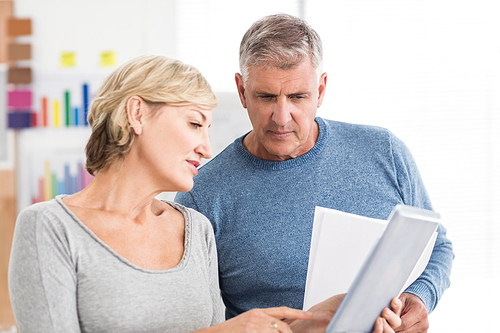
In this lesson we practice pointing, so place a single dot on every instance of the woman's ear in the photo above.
(135, 109)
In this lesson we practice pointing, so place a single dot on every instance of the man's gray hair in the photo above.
(281, 41)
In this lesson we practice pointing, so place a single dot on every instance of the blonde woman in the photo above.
(112, 258)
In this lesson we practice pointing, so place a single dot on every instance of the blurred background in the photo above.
(428, 70)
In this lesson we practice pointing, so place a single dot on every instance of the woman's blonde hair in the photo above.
(158, 80)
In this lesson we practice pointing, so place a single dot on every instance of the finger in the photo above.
(382, 326)
(379, 325)
(392, 319)
(387, 327)
(282, 327)
(397, 306)
(289, 313)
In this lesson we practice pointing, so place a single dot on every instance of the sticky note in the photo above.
(19, 27)
(19, 119)
(19, 75)
(19, 98)
(68, 59)
(19, 52)
(108, 59)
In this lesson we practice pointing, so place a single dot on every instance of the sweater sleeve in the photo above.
(435, 279)
(42, 281)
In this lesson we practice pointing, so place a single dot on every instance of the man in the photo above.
(260, 192)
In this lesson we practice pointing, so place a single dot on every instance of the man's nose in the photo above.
(281, 113)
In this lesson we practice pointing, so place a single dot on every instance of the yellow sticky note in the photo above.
(68, 59)
(108, 59)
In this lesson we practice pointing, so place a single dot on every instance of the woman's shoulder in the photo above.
(192, 213)
(194, 219)
(47, 214)
(38, 210)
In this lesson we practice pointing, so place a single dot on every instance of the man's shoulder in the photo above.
(352, 132)
(348, 127)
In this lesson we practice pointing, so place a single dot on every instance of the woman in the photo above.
(112, 258)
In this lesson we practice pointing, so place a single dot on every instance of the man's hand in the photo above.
(324, 311)
(413, 316)
(389, 318)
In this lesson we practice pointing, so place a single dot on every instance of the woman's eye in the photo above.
(196, 125)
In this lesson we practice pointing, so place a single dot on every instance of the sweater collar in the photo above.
(291, 163)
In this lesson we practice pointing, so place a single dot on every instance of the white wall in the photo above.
(127, 27)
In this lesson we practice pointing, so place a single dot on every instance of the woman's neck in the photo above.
(120, 188)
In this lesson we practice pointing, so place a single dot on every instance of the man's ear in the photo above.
(322, 88)
(240, 85)
(135, 109)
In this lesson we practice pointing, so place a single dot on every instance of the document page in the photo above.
(340, 242)
(339, 245)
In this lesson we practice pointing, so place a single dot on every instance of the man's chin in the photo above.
(279, 153)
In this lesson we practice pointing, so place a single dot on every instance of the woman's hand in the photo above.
(262, 320)
(323, 313)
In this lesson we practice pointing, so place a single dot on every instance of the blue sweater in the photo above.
(262, 211)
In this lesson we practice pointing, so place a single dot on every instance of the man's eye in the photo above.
(266, 98)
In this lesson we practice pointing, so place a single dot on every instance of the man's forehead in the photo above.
(278, 66)
(270, 78)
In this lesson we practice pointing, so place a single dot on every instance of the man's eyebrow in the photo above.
(299, 93)
(263, 93)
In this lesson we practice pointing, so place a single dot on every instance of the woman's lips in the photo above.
(194, 166)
